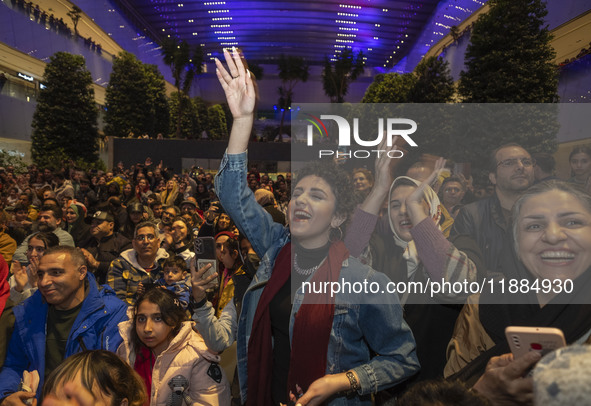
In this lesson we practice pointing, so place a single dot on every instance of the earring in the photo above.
(340, 237)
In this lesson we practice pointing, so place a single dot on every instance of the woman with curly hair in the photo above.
(339, 349)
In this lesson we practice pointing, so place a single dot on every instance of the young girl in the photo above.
(171, 358)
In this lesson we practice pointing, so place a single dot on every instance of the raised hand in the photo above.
(415, 201)
(383, 178)
(199, 284)
(21, 278)
(238, 85)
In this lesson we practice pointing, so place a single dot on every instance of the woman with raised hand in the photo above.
(337, 351)
(416, 251)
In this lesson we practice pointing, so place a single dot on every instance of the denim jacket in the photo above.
(358, 331)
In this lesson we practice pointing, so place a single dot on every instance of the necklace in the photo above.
(304, 272)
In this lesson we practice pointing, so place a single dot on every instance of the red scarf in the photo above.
(4, 287)
(309, 351)
(143, 365)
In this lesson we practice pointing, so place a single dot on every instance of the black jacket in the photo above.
(105, 251)
(484, 222)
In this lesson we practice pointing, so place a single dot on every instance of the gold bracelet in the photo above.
(353, 382)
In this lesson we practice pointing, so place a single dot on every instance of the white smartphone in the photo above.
(540, 339)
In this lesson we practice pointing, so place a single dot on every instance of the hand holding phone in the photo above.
(538, 339)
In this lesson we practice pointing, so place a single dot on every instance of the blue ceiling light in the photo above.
(266, 29)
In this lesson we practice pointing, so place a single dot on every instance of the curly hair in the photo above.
(339, 181)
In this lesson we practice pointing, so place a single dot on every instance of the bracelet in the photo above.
(193, 306)
(353, 382)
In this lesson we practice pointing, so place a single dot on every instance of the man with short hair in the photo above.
(49, 220)
(104, 244)
(157, 210)
(453, 191)
(86, 192)
(68, 314)
(63, 187)
(142, 263)
(545, 167)
(488, 221)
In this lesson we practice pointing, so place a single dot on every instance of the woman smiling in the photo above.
(552, 232)
(319, 349)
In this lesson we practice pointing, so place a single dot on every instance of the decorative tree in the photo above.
(184, 64)
(159, 110)
(389, 88)
(433, 84)
(128, 98)
(336, 79)
(217, 122)
(509, 60)
(292, 70)
(187, 116)
(202, 117)
(64, 122)
(75, 14)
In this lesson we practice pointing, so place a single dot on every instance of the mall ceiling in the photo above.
(384, 30)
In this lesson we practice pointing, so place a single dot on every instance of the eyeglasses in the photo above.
(507, 163)
(145, 237)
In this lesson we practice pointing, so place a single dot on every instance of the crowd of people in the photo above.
(49, 21)
(197, 280)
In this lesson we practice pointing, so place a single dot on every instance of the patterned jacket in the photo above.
(125, 274)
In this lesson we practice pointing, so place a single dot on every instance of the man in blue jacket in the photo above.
(68, 314)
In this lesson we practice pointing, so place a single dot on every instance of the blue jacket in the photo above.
(94, 328)
(362, 326)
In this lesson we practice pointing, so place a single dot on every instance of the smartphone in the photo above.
(540, 339)
(204, 248)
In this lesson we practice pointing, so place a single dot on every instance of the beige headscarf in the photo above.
(410, 250)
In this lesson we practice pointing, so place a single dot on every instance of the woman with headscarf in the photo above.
(416, 251)
(75, 225)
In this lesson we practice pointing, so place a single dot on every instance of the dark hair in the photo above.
(56, 211)
(233, 244)
(146, 223)
(104, 369)
(441, 393)
(170, 308)
(176, 261)
(338, 180)
(453, 179)
(492, 158)
(545, 161)
(52, 199)
(76, 255)
(578, 150)
(49, 239)
(576, 191)
(177, 211)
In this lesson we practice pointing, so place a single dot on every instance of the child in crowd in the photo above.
(176, 279)
(169, 355)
